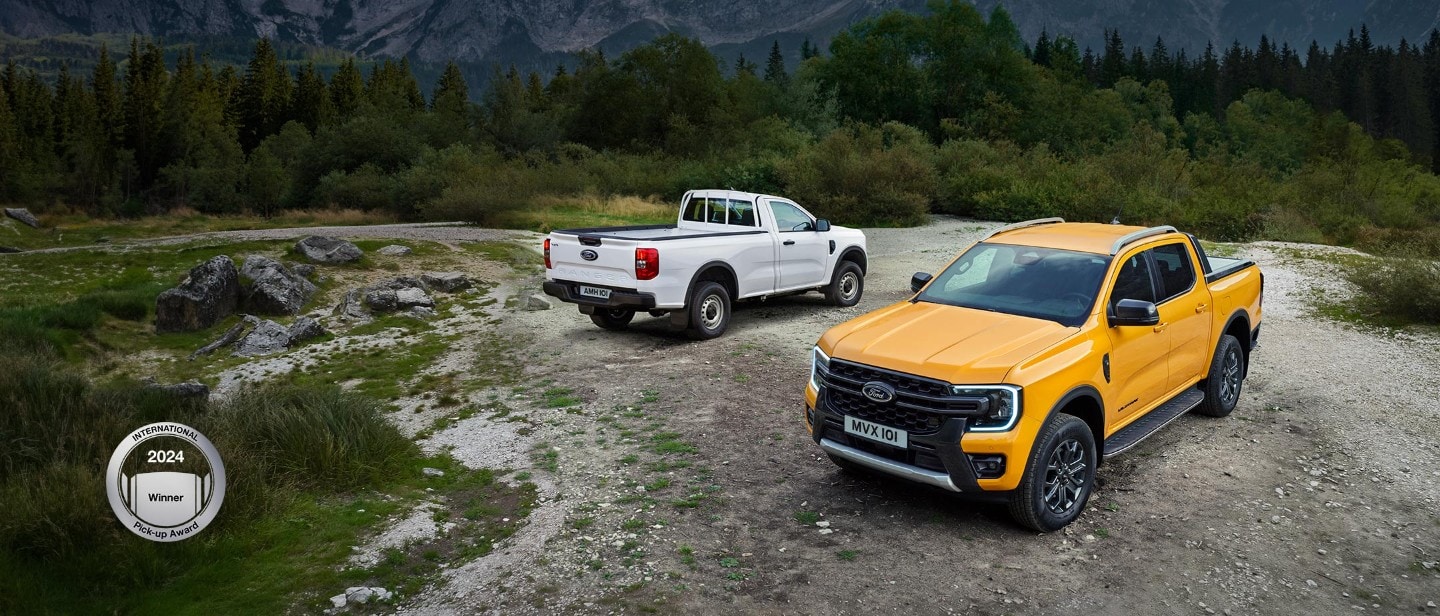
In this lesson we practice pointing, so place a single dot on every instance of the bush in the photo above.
(1402, 288)
(864, 175)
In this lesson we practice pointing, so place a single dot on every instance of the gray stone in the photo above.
(351, 307)
(364, 594)
(380, 300)
(321, 249)
(226, 339)
(395, 250)
(532, 302)
(208, 294)
(448, 282)
(400, 282)
(420, 312)
(305, 328)
(303, 270)
(274, 289)
(338, 600)
(267, 338)
(23, 215)
(189, 390)
(411, 297)
(432, 472)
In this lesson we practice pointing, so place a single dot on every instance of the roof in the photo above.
(1077, 236)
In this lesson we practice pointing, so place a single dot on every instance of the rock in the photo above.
(322, 249)
(420, 312)
(7, 249)
(409, 298)
(267, 338)
(303, 270)
(188, 390)
(226, 339)
(338, 600)
(351, 306)
(826, 531)
(530, 303)
(395, 250)
(432, 472)
(208, 294)
(400, 282)
(381, 300)
(448, 282)
(23, 215)
(305, 328)
(823, 523)
(274, 289)
(363, 594)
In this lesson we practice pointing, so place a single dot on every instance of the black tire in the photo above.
(1227, 374)
(847, 286)
(612, 318)
(709, 310)
(1059, 476)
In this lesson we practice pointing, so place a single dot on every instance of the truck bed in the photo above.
(651, 233)
(1221, 267)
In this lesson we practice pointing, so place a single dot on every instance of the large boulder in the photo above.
(267, 338)
(395, 294)
(381, 300)
(274, 289)
(23, 215)
(448, 282)
(209, 293)
(321, 249)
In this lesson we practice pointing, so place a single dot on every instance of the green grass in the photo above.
(68, 231)
(807, 517)
(847, 555)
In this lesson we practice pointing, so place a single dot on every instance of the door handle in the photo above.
(1201, 308)
(789, 242)
(1161, 327)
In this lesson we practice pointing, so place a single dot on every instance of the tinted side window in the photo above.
(1176, 274)
(742, 213)
(790, 218)
(696, 210)
(1133, 282)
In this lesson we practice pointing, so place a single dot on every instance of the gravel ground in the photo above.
(443, 232)
(1315, 496)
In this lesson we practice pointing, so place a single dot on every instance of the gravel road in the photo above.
(683, 480)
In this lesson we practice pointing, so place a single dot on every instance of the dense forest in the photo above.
(904, 114)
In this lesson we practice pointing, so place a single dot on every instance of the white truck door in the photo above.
(754, 253)
(802, 251)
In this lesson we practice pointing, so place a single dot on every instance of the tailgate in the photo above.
(608, 262)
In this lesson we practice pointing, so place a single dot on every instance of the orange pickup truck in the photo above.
(1035, 354)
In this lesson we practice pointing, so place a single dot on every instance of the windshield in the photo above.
(1044, 283)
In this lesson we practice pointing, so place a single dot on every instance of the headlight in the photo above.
(1003, 410)
(819, 364)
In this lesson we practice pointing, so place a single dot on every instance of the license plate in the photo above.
(876, 432)
(595, 292)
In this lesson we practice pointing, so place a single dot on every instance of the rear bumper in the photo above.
(619, 298)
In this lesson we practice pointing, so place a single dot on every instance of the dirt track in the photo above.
(1316, 496)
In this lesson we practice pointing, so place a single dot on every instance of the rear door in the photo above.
(803, 252)
(754, 260)
(1139, 367)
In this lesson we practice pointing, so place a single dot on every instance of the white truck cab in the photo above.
(725, 246)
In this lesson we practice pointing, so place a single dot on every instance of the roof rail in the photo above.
(1138, 235)
(1022, 225)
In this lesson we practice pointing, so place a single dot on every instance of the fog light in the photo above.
(988, 466)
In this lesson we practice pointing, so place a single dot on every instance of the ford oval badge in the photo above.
(589, 255)
(877, 391)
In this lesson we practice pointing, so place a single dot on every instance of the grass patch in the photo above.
(807, 517)
(846, 555)
(1397, 290)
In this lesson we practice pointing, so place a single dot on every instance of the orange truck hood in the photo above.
(950, 343)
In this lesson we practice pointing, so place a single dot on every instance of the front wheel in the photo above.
(847, 287)
(612, 318)
(1059, 476)
(709, 311)
(1222, 385)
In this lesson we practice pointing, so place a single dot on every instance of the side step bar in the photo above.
(1153, 421)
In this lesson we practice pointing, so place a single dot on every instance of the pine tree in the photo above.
(775, 66)
(1041, 54)
(808, 50)
(1207, 85)
(1137, 67)
(744, 67)
(452, 95)
(347, 90)
(144, 89)
(310, 104)
(264, 96)
(107, 97)
(1112, 63)
(1432, 92)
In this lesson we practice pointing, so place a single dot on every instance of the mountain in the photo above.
(523, 31)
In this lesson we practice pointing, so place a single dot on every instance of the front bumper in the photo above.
(619, 298)
(934, 459)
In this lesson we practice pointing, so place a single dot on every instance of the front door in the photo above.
(802, 251)
(1138, 353)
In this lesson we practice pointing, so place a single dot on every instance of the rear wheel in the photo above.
(709, 310)
(612, 318)
(847, 287)
(1059, 476)
(1227, 373)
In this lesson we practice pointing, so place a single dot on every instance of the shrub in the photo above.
(1402, 288)
(864, 175)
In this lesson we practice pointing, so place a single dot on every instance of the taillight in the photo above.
(547, 253)
(647, 263)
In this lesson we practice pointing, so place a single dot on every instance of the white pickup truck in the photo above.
(726, 246)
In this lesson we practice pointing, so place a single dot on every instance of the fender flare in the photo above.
(1097, 431)
(695, 278)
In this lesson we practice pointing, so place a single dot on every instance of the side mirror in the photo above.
(1134, 312)
(822, 225)
(918, 281)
